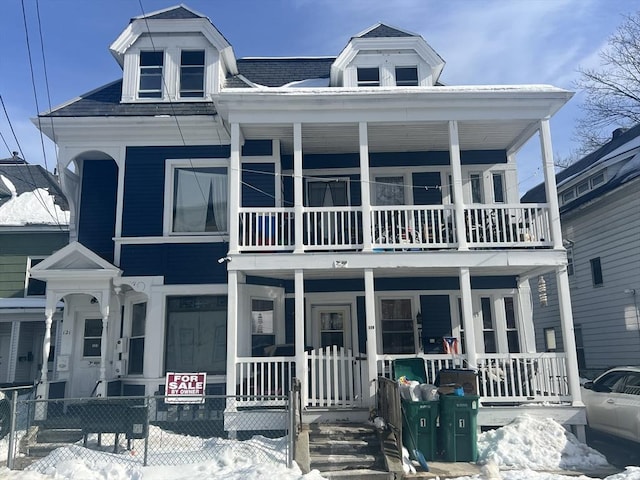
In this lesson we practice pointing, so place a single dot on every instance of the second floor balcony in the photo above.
(394, 228)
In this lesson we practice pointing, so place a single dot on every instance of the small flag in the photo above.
(450, 345)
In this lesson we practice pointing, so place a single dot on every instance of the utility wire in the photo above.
(15, 137)
(6, 144)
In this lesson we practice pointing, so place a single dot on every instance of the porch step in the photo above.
(62, 435)
(360, 474)
(346, 450)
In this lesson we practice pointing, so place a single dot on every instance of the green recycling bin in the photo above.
(459, 428)
(419, 418)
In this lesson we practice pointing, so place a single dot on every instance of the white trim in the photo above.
(205, 238)
(170, 167)
(27, 278)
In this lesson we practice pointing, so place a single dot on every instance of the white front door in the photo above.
(331, 325)
(86, 365)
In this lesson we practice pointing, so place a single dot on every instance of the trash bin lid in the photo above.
(411, 368)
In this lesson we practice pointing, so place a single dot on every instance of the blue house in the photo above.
(307, 217)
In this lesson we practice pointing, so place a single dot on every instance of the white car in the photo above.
(613, 402)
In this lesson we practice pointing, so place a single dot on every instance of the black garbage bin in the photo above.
(419, 418)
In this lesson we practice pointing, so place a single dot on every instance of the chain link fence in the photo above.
(146, 431)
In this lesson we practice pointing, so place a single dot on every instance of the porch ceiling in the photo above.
(395, 137)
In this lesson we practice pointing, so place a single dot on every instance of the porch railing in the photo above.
(396, 228)
(258, 377)
(433, 364)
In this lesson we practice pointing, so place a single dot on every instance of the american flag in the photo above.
(450, 345)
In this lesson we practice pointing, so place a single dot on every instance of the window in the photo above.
(200, 197)
(151, 64)
(569, 260)
(92, 341)
(597, 180)
(582, 187)
(262, 332)
(596, 271)
(192, 73)
(196, 338)
(389, 190)
(568, 196)
(550, 339)
(512, 329)
(369, 77)
(34, 286)
(328, 193)
(136, 341)
(475, 179)
(407, 76)
(488, 329)
(397, 326)
(498, 187)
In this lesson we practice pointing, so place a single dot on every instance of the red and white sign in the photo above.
(185, 387)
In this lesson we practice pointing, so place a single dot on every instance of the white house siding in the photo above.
(608, 228)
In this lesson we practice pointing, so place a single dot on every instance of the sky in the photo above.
(526, 449)
(482, 41)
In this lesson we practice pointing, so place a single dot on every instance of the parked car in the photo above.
(613, 402)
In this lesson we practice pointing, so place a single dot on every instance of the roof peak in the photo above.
(180, 11)
(381, 30)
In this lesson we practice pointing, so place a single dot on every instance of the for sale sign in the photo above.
(185, 387)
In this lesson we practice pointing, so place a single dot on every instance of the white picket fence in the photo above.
(332, 379)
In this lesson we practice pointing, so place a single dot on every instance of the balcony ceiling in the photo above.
(395, 137)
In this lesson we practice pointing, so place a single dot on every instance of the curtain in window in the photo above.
(200, 200)
(327, 194)
(389, 190)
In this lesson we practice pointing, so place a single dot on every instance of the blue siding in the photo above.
(436, 321)
(179, 263)
(361, 315)
(98, 206)
(399, 159)
(144, 184)
(257, 148)
(258, 185)
(427, 188)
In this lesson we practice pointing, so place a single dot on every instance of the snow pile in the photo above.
(531, 443)
(31, 208)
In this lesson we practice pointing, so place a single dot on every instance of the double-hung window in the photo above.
(136, 341)
(397, 326)
(192, 73)
(151, 66)
(407, 76)
(477, 194)
(199, 197)
(368, 77)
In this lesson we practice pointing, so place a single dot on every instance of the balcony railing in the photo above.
(395, 228)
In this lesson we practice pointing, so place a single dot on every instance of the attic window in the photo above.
(151, 64)
(407, 76)
(369, 77)
(192, 73)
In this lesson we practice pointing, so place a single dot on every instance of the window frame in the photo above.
(171, 167)
(407, 67)
(412, 319)
(570, 264)
(161, 90)
(264, 335)
(368, 83)
(327, 180)
(28, 281)
(597, 278)
(502, 189)
(133, 303)
(181, 66)
(473, 176)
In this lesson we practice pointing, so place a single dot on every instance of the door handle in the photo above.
(610, 401)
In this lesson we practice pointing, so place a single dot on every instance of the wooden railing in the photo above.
(258, 377)
(433, 364)
(395, 228)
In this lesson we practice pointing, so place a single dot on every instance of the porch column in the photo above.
(232, 335)
(372, 340)
(365, 188)
(234, 188)
(298, 198)
(568, 335)
(41, 391)
(467, 318)
(550, 183)
(301, 368)
(101, 390)
(525, 316)
(456, 175)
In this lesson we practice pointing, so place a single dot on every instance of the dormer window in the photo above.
(192, 73)
(151, 66)
(407, 76)
(368, 77)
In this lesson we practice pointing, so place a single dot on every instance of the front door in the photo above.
(86, 367)
(334, 364)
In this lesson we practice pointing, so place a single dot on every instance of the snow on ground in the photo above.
(526, 449)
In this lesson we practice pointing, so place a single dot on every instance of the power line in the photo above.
(6, 144)
(15, 137)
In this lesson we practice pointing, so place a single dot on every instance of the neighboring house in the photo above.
(34, 223)
(599, 199)
(350, 207)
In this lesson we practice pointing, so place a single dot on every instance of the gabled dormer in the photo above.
(175, 54)
(384, 56)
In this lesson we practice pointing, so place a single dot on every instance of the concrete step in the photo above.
(351, 446)
(63, 435)
(360, 474)
(43, 449)
(331, 463)
(321, 429)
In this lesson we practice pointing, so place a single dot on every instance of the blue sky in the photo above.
(482, 42)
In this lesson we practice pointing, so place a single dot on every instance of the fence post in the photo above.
(292, 423)
(12, 430)
(146, 431)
